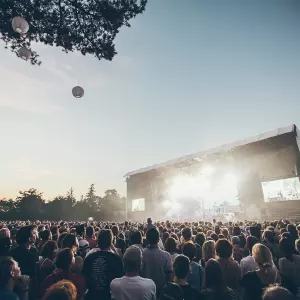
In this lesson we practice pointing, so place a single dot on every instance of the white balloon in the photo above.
(20, 25)
(24, 53)
(78, 91)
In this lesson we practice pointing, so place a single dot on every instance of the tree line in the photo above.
(31, 205)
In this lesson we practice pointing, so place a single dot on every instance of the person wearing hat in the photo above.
(132, 286)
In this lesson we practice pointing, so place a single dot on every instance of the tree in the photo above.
(70, 196)
(112, 203)
(91, 198)
(86, 26)
(30, 204)
(7, 205)
(82, 210)
(54, 209)
(112, 192)
(90, 195)
(59, 208)
(8, 209)
(99, 203)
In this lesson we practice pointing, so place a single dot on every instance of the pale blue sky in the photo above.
(190, 75)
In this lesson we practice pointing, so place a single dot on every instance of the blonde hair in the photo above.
(262, 256)
(208, 250)
(297, 244)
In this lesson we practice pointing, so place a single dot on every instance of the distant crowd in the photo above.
(73, 260)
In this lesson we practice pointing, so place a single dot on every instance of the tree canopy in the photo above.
(31, 205)
(89, 27)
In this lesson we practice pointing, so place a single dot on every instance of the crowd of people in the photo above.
(71, 260)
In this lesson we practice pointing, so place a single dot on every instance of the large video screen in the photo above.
(138, 204)
(281, 190)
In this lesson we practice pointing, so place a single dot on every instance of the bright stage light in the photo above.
(203, 185)
(176, 207)
(230, 179)
(207, 170)
(167, 204)
(184, 186)
(172, 208)
(205, 189)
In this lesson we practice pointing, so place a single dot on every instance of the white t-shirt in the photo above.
(133, 288)
(248, 264)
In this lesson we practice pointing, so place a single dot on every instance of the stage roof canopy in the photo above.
(227, 147)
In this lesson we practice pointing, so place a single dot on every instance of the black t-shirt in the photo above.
(26, 259)
(225, 295)
(190, 293)
(252, 285)
(99, 269)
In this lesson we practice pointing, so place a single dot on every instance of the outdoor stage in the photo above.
(250, 179)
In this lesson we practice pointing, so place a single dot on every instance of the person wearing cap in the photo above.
(84, 246)
(132, 286)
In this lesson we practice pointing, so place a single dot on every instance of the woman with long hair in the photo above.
(208, 252)
(70, 241)
(230, 268)
(253, 283)
(214, 286)
(171, 248)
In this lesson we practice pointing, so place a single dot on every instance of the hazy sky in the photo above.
(190, 75)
